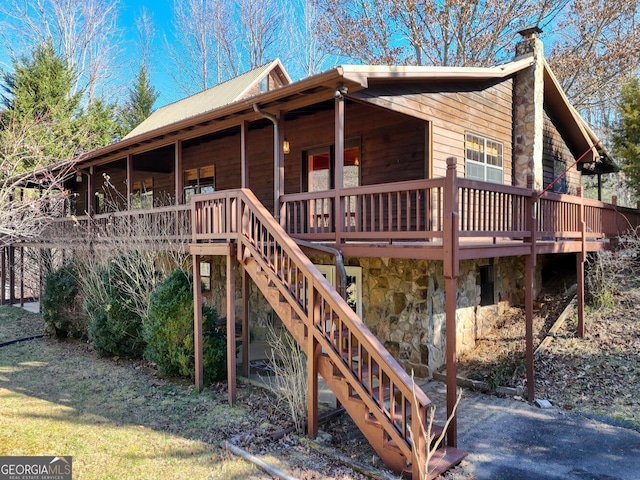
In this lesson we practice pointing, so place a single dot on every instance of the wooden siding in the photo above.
(222, 153)
(392, 144)
(556, 157)
(454, 109)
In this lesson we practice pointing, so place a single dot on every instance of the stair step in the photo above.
(442, 460)
(436, 431)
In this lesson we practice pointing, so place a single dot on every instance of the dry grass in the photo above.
(118, 419)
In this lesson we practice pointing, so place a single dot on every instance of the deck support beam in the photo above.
(529, 278)
(197, 322)
(231, 323)
(12, 275)
(22, 276)
(312, 367)
(529, 283)
(245, 323)
(580, 259)
(451, 267)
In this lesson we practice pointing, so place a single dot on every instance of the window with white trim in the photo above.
(484, 160)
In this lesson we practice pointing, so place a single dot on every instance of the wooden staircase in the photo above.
(373, 388)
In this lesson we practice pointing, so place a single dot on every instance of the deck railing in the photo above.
(415, 211)
(392, 212)
(160, 225)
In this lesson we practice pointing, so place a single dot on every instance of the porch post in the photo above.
(178, 177)
(244, 168)
(338, 180)
(197, 322)
(279, 207)
(312, 366)
(231, 323)
(129, 180)
(90, 192)
(451, 267)
(245, 323)
(529, 280)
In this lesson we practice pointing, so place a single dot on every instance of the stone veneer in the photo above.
(403, 304)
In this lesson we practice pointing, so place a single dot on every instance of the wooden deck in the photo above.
(416, 219)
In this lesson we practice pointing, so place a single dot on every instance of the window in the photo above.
(483, 159)
(198, 180)
(354, 284)
(487, 285)
(142, 194)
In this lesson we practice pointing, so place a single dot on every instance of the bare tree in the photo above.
(198, 49)
(259, 26)
(598, 49)
(146, 33)
(420, 32)
(304, 51)
(28, 198)
(84, 32)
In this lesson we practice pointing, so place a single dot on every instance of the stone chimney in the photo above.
(528, 111)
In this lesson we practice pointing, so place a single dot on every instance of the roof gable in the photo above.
(243, 86)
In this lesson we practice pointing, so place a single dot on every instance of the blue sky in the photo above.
(129, 62)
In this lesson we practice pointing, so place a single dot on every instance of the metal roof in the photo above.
(208, 100)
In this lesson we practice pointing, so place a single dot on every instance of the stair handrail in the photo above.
(386, 362)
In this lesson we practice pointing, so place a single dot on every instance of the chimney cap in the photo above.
(530, 32)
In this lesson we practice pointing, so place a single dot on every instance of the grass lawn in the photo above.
(115, 418)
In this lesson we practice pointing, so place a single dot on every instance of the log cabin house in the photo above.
(384, 214)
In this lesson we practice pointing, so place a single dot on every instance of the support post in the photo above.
(580, 259)
(129, 180)
(244, 167)
(451, 267)
(3, 273)
(338, 180)
(21, 276)
(178, 176)
(529, 280)
(12, 275)
(91, 197)
(528, 300)
(312, 366)
(197, 322)
(231, 323)
(245, 323)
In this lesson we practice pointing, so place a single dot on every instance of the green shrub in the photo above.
(169, 331)
(62, 304)
(114, 326)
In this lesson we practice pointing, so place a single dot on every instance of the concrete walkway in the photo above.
(512, 440)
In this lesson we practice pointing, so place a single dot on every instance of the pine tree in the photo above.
(40, 86)
(142, 97)
(626, 139)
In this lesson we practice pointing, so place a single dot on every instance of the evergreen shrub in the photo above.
(62, 303)
(169, 331)
(114, 326)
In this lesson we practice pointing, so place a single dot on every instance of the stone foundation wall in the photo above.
(404, 306)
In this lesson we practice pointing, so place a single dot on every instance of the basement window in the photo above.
(487, 285)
